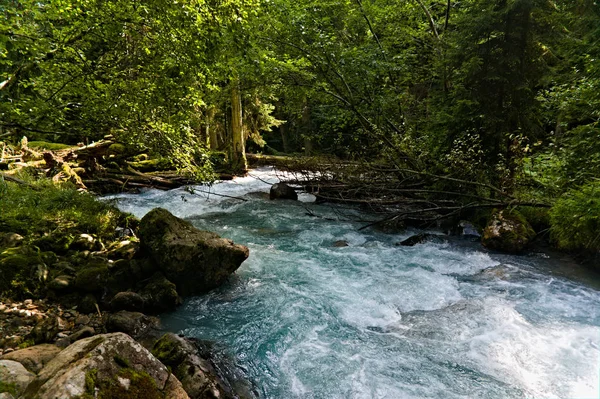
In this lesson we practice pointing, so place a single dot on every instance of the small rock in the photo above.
(282, 191)
(61, 335)
(82, 320)
(27, 302)
(82, 333)
(8, 350)
(87, 304)
(340, 244)
(418, 239)
(61, 283)
(134, 324)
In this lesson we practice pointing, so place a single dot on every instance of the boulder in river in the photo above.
(507, 231)
(196, 261)
(282, 191)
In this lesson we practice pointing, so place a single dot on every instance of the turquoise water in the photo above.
(304, 319)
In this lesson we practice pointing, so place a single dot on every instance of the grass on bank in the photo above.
(44, 207)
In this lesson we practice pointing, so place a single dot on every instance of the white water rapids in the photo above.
(305, 319)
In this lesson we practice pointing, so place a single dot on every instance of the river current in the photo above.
(445, 319)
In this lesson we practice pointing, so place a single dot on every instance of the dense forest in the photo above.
(493, 100)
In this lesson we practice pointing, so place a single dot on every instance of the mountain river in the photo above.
(446, 319)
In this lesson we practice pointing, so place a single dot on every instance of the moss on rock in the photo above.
(507, 231)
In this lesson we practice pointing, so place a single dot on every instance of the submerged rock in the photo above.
(507, 231)
(195, 260)
(106, 366)
(282, 191)
(340, 244)
(419, 239)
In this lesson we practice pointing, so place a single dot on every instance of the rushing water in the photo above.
(305, 319)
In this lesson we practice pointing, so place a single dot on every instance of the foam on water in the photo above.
(305, 319)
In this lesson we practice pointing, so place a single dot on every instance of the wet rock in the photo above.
(35, 357)
(14, 376)
(160, 295)
(134, 324)
(107, 366)
(197, 375)
(420, 239)
(282, 191)
(127, 301)
(195, 260)
(340, 244)
(507, 231)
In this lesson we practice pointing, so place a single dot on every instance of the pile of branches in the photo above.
(401, 196)
(91, 167)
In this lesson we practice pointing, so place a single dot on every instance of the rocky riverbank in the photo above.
(80, 322)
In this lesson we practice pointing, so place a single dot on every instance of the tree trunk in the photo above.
(237, 149)
(211, 132)
(306, 124)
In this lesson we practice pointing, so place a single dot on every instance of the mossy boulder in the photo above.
(92, 278)
(160, 295)
(507, 231)
(23, 272)
(105, 366)
(195, 260)
(58, 242)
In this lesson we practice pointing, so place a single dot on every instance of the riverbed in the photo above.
(303, 318)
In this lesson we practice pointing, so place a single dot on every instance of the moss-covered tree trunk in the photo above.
(237, 151)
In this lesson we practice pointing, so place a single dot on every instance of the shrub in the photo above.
(575, 218)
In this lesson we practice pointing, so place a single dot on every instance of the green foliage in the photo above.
(46, 207)
(575, 218)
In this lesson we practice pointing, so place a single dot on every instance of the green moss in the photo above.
(92, 278)
(166, 351)
(10, 388)
(121, 361)
(22, 272)
(26, 344)
(44, 145)
(150, 165)
(141, 386)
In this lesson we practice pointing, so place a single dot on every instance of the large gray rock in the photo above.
(195, 261)
(14, 376)
(282, 191)
(35, 357)
(507, 231)
(109, 365)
